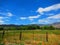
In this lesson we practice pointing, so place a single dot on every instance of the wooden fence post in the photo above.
(47, 36)
(20, 35)
(33, 35)
(3, 33)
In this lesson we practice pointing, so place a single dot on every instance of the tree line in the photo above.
(26, 27)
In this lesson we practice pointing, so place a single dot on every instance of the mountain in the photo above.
(57, 24)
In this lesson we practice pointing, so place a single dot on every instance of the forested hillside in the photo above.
(28, 27)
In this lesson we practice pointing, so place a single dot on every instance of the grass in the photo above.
(33, 37)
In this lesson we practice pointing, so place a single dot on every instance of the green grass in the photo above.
(35, 31)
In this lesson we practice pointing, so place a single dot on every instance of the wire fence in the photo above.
(28, 38)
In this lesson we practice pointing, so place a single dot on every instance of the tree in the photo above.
(51, 27)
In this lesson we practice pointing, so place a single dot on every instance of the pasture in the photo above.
(30, 37)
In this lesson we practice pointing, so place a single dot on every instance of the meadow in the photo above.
(30, 37)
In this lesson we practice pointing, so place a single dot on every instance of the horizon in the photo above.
(24, 12)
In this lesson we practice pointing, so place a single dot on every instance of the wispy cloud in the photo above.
(1, 17)
(50, 8)
(5, 16)
(30, 17)
(23, 18)
(51, 19)
(57, 16)
(33, 17)
(1, 21)
(9, 14)
(43, 21)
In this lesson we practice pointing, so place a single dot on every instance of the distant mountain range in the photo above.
(56, 24)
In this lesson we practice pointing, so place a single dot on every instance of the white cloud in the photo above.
(43, 21)
(51, 19)
(9, 14)
(32, 17)
(54, 17)
(1, 17)
(23, 18)
(1, 21)
(40, 10)
(5, 17)
(53, 7)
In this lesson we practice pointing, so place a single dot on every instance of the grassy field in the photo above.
(30, 37)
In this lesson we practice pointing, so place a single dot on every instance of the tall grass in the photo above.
(42, 37)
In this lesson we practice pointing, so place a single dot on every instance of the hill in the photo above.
(56, 25)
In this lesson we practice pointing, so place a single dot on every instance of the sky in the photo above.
(24, 12)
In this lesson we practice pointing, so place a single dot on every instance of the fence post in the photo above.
(3, 33)
(33, 35)
(47, 36)
(20, 35)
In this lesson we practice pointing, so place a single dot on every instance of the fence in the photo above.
(27, 38)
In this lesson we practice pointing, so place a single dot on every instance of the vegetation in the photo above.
(31, 37)
(27, 27)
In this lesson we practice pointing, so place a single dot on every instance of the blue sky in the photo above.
(29, 11)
